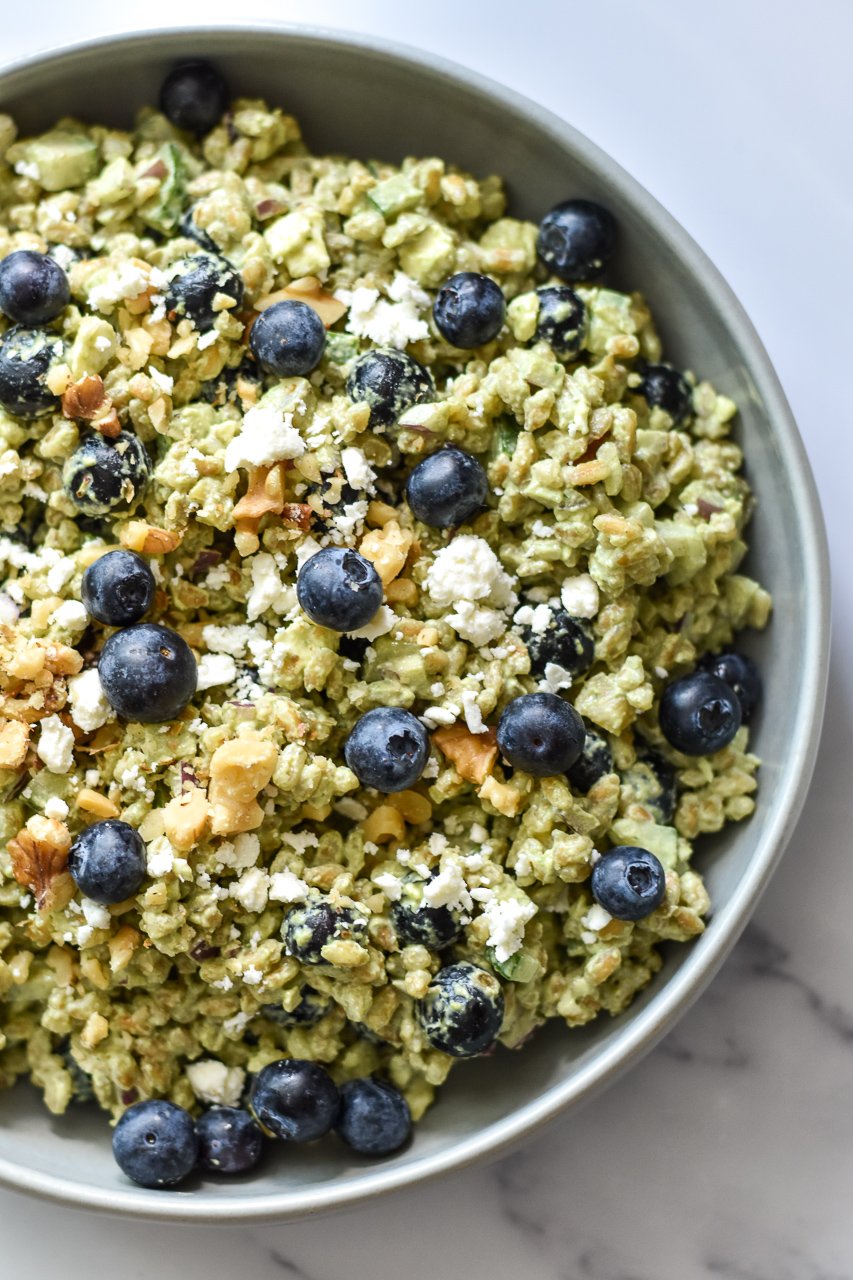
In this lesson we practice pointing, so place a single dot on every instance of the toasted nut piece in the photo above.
(186, 817)
(414, 807)
(380, 513)
(85, 398)
(14, 741)
(239, 770)
(265, 493)
(309, 290)
(138, 535)
(39, 854)
(60, 660)
(42, 611)
(315, 813)
(61, 961)
(96, 1029)
(387, 548)
(472, 755)
(505, 799)
(122, 945)
(402, 591)
(27, 663)
(344, 953)
(93, 802)
(384, 824)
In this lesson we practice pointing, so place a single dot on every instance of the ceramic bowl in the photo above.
(371, 99)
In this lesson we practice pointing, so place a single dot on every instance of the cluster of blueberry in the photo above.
(157, 1144)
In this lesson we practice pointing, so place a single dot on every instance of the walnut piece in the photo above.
(138, 535)
(14, 741)
(239, 771)
(309, 290)
(265, 493)
(387, 548)
(39, 854)
(186, 817)
(472, 755)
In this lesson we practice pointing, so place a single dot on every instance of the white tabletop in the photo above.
(729, 1151)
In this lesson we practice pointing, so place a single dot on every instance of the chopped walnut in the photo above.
(14, 742)
(265, 493)
(309, 290)
(473, 755)
(39, 854)
(186, 817)
(138, 535)
(387, 548)
(239, 771)
(85, 398)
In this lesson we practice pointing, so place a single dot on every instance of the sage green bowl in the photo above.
(372, 99)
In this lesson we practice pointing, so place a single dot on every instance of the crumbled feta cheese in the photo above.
(473, 715)
(207, 339)
(468, 569)
(285, 886)
(540, 529)
(347, 520)
(252, 889)
(160, 857)
(307, 548)
(358, 471)
(244, 851)
(214, 1082)
(102, 342)
(433, 717)
(96, 915)
(300, 840)
(123, 281)
(389, 884)
(379, 625)
(61, 569)
(265, 437)
(71, 615)
(448, 888)
(579, 596)
(56, 808)
(236, 1025)
(215, 668)
(252, 975)
(596, 918)
(55, 745)
(478, 833)
(268, 591)
(555, 678)
(349, 807)
(161, 381)
(9, 611)
(476, 623)
(231, 640)
(389, 322)
(506, 919)
(225, 983)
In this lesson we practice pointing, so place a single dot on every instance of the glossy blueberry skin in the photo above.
(339, 589)
(107, 475)
(652, 783)
(189, 227)
(295, 1099)
(195, 281)
(229, 1141)
(541, 733)
(148, 672)
(288, 339)
(311, 1008)
(389, 381)
(155, 1143)
(194, 97)
(447, 488)
(667, 389)
(418, 924)
(462, 1011)
(562, 319)
(310, 925)
(699, 714)
(118, 588)
(107, 861)
(628, 882)
(576, 239)
(387, 749)
(741, 674)
(469, 310)
(33, 288)
(374, 1117)
(594, 762)
(567, 641)
(26, 356)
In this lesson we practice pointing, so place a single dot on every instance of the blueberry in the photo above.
(224, 388)
(541, 734)
(469, 310)
(387, 749)
(339, 589)
(315, 922)
(82, 1089)
(374, 1117)
(312, 1005)
(103, 475)
(107, 861)
(155, 1143)
(148, 672)
(353, 647)
(295, 1099)
(194, 97)
(288, 339)
(33, 287)
(194, 283)
(447, 488)
(667, 389)
(462, 1011)
(189, 227)
(699, 714)
(594, 762)
(628, 882)
(651, 782)
(26, 357)
(562, 319)
(118, 588)
(389, 381)
(565, 640)
(229, 1141)
(741, 675)
(418, 924)
(576, 238)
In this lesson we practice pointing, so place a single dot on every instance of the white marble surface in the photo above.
(729, 1151)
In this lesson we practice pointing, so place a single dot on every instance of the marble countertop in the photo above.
(728, 1152)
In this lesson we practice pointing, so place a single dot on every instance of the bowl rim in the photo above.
(698, 968)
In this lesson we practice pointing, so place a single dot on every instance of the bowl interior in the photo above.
(352, 97)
